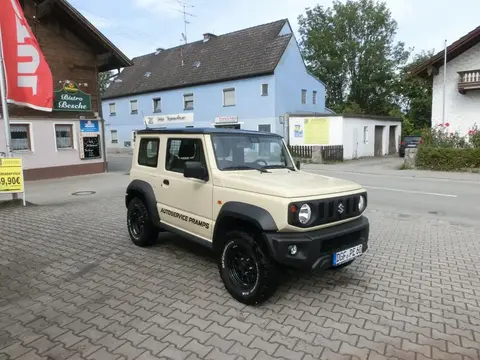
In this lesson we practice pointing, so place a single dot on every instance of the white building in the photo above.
(360, 135)
(462, 95)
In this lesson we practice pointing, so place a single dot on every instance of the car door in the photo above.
(186, 203)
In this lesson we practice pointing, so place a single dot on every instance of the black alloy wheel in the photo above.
(140, 228)
(242, 267)
(246, 268)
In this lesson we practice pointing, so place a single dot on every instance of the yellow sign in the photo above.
(317, 131)
(11, 175)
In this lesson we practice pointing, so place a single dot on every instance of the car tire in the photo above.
(344, 265)
(140, 228)
(246, 269)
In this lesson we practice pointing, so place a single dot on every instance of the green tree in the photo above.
(351, 48)
(414, 94)
(104, 79)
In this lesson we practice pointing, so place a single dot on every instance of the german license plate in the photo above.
(347, 255)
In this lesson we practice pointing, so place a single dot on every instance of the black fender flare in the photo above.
(253, 214)
(146, 190)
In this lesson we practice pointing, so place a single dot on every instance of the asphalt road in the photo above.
(455, 201)
(422, 194)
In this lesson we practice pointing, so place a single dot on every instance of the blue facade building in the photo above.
(246, 79)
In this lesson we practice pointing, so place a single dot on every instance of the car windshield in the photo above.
(247, 152)
(412, 139)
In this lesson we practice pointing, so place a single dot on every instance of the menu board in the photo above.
(91, 147)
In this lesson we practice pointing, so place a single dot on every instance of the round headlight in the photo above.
(361, 203)
(304, 214)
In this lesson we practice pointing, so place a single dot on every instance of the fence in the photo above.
(306, 152)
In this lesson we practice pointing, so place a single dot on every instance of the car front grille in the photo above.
(326, 211)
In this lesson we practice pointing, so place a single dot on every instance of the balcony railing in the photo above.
(469, 80)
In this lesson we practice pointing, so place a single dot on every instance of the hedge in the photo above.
(448, 159)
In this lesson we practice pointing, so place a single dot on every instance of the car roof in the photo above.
(203, 130)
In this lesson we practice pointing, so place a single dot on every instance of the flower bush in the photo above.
(445, 149)
(443, 136)
(474, 136)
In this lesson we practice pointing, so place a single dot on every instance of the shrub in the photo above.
(443, 136)
(474, 136)
(447, 159)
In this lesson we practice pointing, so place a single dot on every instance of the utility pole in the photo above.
(444, 81)
(184, 6)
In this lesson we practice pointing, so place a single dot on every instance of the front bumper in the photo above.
(315, 249)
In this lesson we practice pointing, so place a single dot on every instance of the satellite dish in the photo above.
(196, 64)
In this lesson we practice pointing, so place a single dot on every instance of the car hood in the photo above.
(285, 183)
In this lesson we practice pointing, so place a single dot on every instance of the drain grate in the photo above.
(83, 193)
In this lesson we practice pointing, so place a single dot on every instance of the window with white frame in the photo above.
(264, 89)
(314, 97)
(20, 136)
(133, 107)
(187, 101)
(229, 97)
(157, 105)
(114, 136)
(64, 136)
(304, 96)
(365, 134)
(112, 109)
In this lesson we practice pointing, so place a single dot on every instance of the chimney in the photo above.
(208, 36)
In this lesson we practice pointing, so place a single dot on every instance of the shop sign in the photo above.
(11, 175)
(167, 119)
(89, 126)
(226, 119)
(71, 98)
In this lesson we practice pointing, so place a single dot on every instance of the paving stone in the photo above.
(79, 298)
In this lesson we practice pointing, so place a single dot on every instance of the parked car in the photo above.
(409, 142)
(257, 213)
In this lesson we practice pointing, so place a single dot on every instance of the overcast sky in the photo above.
(139, 26)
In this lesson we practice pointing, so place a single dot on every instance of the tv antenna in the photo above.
(184, 6)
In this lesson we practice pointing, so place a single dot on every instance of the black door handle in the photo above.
(166, 182)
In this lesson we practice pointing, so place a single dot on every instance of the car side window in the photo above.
(181, 150)
(148, 152)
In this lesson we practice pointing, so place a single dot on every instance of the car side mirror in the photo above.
(297, 164)
(195, 170)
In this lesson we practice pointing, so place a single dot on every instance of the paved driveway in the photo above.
(72, 286)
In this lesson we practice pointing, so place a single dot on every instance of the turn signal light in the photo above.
(293, 209)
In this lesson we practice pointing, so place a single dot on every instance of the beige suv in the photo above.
(239, 193)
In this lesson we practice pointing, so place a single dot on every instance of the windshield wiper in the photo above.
(277, 167)
(244, 167)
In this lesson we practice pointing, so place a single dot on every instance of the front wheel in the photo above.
(140, 228)
(246, 269)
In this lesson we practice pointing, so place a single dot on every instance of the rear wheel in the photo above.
(140, 228)
(246, 269)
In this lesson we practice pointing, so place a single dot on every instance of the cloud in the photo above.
(163, 8)
(98, 21)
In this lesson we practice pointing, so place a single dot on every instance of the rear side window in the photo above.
(148, 152)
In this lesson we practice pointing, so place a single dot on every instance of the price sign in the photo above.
(11, 175)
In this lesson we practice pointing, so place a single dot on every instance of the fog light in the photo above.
(292, 249)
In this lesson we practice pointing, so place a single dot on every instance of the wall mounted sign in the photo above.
(90, 142)
(71, 98)
(89, 126)
(167, 119)
(226, 119)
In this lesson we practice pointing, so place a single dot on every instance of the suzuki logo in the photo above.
(341, 208)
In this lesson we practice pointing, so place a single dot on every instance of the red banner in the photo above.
(27, 74)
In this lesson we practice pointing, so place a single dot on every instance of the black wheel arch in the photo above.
(143, 190)
(241, 214)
